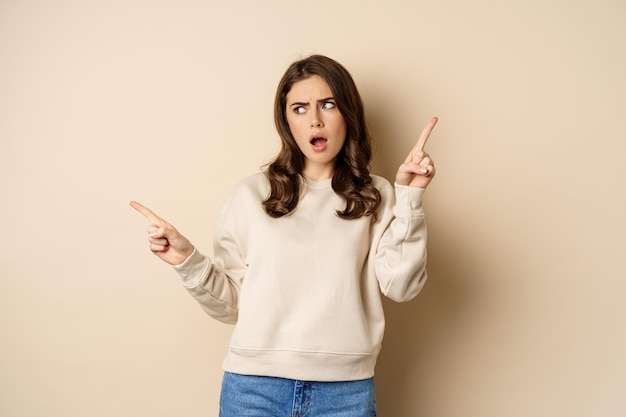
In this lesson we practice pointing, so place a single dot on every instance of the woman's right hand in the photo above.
(165, 241)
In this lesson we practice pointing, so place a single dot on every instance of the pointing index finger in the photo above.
(146, 212)
(421, 142)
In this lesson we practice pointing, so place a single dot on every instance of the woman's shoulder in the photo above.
(255, 185)
(382, 184)
(246, 195)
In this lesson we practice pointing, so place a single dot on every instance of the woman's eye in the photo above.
(299, 109)
(328, 105)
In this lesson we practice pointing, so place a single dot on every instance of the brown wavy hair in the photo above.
(351, 178)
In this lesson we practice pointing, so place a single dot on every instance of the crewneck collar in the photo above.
(317, 184)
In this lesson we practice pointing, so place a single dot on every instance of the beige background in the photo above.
(169, 103)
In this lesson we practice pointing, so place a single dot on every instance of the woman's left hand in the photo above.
(418, 168)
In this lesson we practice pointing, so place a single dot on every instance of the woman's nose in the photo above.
(316, 120)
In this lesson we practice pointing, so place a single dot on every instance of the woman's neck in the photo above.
(318, 172)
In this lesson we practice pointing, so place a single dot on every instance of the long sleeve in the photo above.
(400, 259)
(212, 289)
(216, 284)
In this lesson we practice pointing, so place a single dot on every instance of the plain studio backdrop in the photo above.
(170, 103)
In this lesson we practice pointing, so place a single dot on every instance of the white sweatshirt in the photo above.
(304, 290)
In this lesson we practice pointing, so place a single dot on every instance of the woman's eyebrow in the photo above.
(302, 103)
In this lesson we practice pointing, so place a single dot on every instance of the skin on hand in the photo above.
(418, 168)
(165, 241)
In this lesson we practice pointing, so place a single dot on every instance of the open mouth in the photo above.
(318, 143)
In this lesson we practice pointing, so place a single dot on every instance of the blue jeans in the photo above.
(262, 396)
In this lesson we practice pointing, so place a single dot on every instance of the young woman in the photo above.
(302, 253)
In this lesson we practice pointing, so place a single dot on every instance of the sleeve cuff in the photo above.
(408, 200)
(193, 269)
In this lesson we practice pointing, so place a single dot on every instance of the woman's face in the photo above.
(317, 126)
